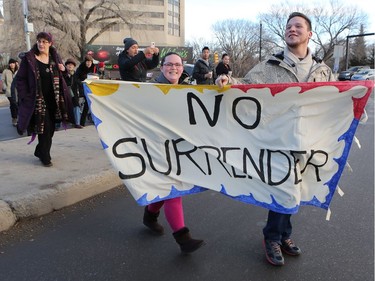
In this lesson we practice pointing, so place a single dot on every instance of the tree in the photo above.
(79, 23)
(242, 46)
(198, 44)
(12, 41)
(358, 54)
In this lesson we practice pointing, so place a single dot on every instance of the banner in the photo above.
(277, 146)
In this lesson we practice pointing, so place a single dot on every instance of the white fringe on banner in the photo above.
(347, 166)
(364, 117)
(357, 141)
(328, 216)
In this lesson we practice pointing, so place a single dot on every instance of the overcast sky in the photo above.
(199, 26)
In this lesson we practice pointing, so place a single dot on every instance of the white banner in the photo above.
(278, 146)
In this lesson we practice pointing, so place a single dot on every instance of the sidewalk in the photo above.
(80, 170)
(3, 100)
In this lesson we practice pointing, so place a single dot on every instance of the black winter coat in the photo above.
(200, 69)
(135, 68)
(81, 75)
(27, 88)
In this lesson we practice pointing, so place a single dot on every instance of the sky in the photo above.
(198, 25)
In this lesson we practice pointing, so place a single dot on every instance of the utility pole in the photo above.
(260, 41)
(28, 26)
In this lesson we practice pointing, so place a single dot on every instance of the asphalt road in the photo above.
(7, 130)
(103, 238)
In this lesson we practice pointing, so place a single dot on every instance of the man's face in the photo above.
(297, 32)
(133, 50)
(70, 67)
(205, 54)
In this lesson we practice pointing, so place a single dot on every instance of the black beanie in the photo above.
(12, 61)
(128, 42)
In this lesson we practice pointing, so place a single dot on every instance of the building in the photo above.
(159, 21)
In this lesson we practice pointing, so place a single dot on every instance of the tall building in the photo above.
(159, 21)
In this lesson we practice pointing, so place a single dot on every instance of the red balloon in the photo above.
(102, 55)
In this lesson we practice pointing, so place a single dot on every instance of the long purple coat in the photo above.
(27, 88)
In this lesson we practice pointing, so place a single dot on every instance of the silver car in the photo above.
(367, 74)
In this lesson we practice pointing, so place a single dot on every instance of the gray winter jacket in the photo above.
(277, 70)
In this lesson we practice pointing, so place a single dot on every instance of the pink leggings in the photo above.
(173, 211)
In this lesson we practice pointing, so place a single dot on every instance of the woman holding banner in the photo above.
(171, 70)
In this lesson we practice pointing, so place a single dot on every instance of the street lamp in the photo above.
(260, 41)
(1, 17)
(28, 26)
(347, 46)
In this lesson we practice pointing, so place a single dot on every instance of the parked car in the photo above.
(188, 69)
(367, 74)
(347, 74)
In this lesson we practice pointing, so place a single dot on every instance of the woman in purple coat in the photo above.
(43, 96)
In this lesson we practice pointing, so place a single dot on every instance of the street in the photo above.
(7, 131)
(103, 238)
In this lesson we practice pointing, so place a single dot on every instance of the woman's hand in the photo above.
(222, 80)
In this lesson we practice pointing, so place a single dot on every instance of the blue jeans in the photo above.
(77, 115)
(278, 227)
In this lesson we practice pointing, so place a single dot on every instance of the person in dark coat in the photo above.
(203, 69)
(86, 67)
(71, 82)
(134, 64)
(223, 67)
(43, 96)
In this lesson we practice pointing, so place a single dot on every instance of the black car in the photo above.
(347, 74)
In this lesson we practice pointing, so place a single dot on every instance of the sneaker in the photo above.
(14, 122)
(273, 252)
(288, 247)
(78, 126)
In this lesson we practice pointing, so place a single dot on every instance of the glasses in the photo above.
(42, 41)
(169, 64)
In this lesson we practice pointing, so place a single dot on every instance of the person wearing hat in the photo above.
(85, 67)
(134, 64)
(43, 97)
(8, 75)
(101, 71)
(71, 82)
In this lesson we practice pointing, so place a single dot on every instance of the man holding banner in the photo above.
(294, 64)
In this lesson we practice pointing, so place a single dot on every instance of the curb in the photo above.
(55, 197)
(3, 100)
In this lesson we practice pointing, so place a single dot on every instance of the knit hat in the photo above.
(44, 35)
(128, 42)
(68, 61)
(101, 64)
(12, 61)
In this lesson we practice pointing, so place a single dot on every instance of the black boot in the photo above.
(187, 244)
(151, 221)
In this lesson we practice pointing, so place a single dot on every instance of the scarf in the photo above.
(40, 104)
